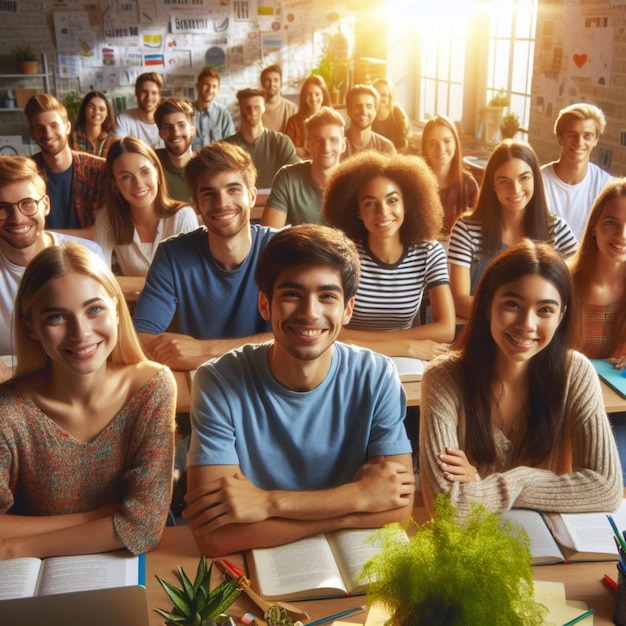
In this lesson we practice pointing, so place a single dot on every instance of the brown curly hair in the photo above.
(424, 214)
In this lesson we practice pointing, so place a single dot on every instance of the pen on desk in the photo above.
(618, 534)
(580, 618)
(610, 583)
(332, 618)
(235, 570)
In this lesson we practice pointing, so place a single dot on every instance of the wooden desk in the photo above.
(613, 402)
(177, 547)
(131, 288)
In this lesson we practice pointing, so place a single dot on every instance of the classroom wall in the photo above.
(105, 45)
(580, 56)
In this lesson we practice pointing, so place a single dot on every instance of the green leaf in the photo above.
(188, 589)
(170, 618)
(201, 572)
(221, 598)
(176, 596)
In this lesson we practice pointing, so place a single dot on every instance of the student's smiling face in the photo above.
(514, 185)
(610, 230)
(307, 311)
(524, 315)
(75, 319)
(381, 208)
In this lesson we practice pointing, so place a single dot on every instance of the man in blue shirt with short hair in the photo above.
(303, 434)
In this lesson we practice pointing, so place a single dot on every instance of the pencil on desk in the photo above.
(580, 618)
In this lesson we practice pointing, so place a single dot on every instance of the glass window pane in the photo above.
(455, 108)
(520, 66)
(442, 97)
(524, 19)
(457, 63)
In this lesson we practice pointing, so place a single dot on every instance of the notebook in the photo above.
(614, 378)
(121, 606)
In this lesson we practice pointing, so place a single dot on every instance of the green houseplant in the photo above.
(510, 125)
(26, 58)
(195, 604)
(453, 574)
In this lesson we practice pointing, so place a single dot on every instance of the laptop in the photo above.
(119, 606)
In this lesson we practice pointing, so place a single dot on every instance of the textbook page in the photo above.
(88, 571)
(18, 577)
(352, 548)
(589, 534)
(409, 369)
(302, 569)
(543, 548)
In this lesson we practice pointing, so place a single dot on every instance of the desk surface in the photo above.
(177, 547)
(613, 402)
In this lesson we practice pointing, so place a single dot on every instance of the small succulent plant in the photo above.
(195, 604)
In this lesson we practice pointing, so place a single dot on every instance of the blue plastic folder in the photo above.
(616, 379)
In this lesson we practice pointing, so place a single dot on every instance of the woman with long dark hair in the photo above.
(511, 417)
(92, 131)
(511, 205)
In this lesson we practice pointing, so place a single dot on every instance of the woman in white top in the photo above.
(389, 206)
(511, 205)
(139, 213)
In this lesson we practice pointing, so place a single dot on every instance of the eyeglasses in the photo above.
(26, 206)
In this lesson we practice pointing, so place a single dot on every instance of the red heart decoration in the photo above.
(580, 59)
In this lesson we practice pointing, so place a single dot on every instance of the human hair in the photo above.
(16, 169)
(54, 262)
(537, 217)
(547, 369)
(220, 156)
(308, 244)
(41, 103)
(117, 207)
(326, 116)
(361, 90)
(457, 170)
(424, 213)
(109, 124)
(173, 105)
(148, 77)
(274, 67)
(583, 265)
(580, 111)
(209, 72)
(318, 81)
(249, 92)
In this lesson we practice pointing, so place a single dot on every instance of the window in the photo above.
(468, 51)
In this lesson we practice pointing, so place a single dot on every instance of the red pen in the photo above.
(609, 583)
(236, 571)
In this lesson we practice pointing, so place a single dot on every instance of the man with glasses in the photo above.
(24, 206)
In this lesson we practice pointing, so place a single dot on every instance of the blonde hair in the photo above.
(17, 169)
(580, 111)
(54, 262)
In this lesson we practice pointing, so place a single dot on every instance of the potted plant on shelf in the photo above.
(491, 118)
(510, 125)
(195, 604)
(451, 573)
(26, 58)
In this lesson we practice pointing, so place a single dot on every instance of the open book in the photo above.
(409, 369)
(27, 577)
(322, 566)
(558, 537)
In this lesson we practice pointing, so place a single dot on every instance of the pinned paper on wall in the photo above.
(602, 56)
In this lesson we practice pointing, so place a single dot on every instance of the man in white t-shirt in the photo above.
(24, 206)
(572, 183)
(139, 122)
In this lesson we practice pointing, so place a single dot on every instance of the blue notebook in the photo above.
(615, 379)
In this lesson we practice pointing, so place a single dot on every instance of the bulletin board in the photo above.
(108, 44)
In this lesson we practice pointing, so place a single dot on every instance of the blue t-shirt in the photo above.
(62, 214)
(209, 302)
(282, 439)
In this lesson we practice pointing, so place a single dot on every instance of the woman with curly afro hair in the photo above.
(389, 206)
